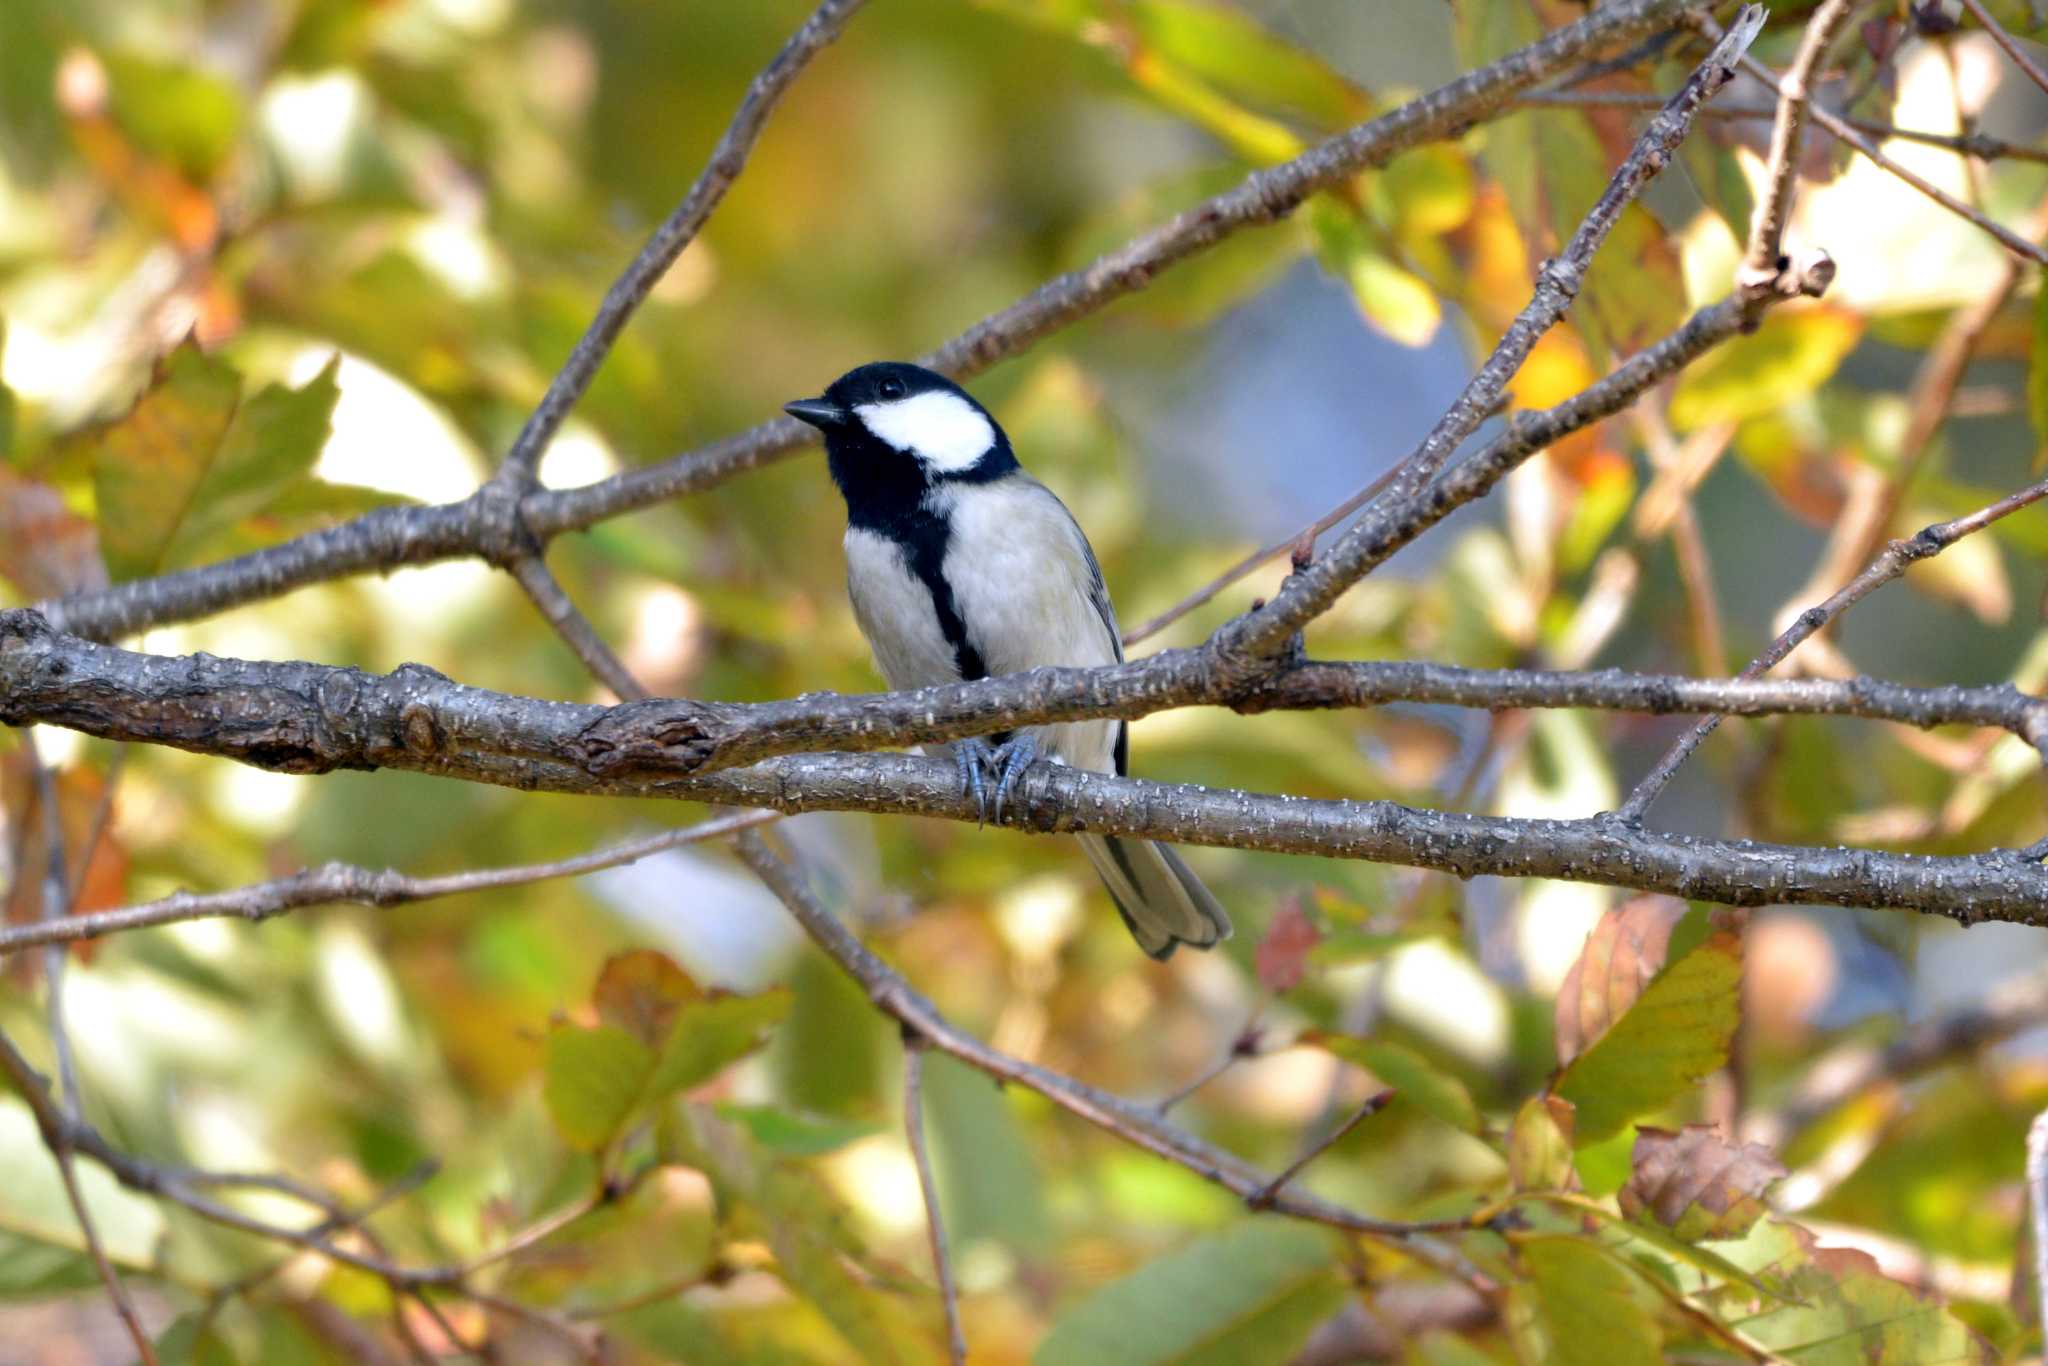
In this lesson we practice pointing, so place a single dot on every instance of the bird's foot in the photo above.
(974, 756)
(1014, 757)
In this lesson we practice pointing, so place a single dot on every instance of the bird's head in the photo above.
(892, 425)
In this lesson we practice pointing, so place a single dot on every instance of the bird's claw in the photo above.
(1015, 757)
(973, 756)
(1005, 763)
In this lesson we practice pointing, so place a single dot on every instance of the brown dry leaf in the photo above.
(1622, 954)
(1282, 956)
(1698, 1184)
(641, 991)
(46, 549)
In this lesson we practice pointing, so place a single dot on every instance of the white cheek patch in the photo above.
(943, 430)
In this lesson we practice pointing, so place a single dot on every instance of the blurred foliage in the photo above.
(268, 265)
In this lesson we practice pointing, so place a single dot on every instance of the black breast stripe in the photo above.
(925, 548)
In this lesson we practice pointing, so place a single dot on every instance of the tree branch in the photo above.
(491, 526)
(914, 1046)
(625, 296)
(1979, 145)
(1891, 563)
(1136, 1124)
(298, 717)
(334, 883)
(1761, 266)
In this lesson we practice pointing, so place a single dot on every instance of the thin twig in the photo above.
(477, 526)
(56, 905)
(2037, 1204)
(574, 628)
(913, 1125)
(1845, 1072)
(1891, 563)
(1559, 279)
(340, 882)
(1761, 266)
(1308, 594)
(1841, 130)
(1979, 145)
(625, 296)
(1264, 1197)
(2008, 44)
(1136, 1124)
(1244, 1045)
(1261, 557)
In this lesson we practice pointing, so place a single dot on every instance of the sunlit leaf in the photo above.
(1792, 354)
(1625, 950)
(1413, 1077)
(1540, 1144)
(1587, 1307)
(273, 441)
(149, 465)
(592, 1080)
(1698, 1184)
(194, 1340)
(794, 1133)
(1839, 1310)
(1391, 298)
(1250, 1294)
(711, 1033)
(1243, 59)
(181, 112)
(1675, 1033)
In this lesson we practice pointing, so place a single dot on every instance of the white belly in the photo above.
(1024, 584)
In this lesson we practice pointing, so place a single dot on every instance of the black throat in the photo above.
(888, 492)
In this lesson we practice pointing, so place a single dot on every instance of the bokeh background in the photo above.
(383, 223)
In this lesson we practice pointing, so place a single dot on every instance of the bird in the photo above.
(960, 566)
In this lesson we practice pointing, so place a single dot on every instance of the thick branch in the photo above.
(390, 537)
(306, 718)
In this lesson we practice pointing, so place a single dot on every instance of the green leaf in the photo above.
(1414, 1078)
(1699, 1258)
(1390, 297)
(592, 1080)
(1791, 355)
(793, 1133)
(193, 1341)
(711, 1033)
(1677, 1031)
(1248, 1295)
(273, 441)
(188, 116)
(1540, 1144)
(147, 467)
(1837, 1309)
(1240, 57)
(1587, 1309)
(989, 1184)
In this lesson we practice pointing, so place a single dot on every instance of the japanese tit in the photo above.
(962, 566)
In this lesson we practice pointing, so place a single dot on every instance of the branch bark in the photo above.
(298, 717)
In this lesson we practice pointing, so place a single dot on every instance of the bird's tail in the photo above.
(1164, 903)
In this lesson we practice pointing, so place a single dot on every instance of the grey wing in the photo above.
(1098, 593)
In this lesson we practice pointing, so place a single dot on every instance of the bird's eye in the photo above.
(890, 388)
